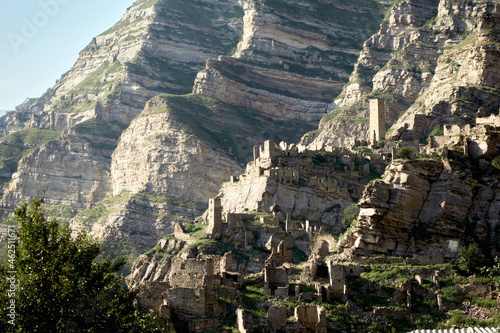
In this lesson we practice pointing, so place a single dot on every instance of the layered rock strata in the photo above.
(144, 54)
(158, 154)
(465, 76)
(156, 48)
(130, 223)
(292, 59)
(70, 171)
(425, 208)
(427, 62)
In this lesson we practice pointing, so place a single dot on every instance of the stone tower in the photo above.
(214, 217)
(377, 121)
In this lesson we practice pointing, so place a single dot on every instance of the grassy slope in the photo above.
(16, 145)
(147, 205)
(232, 129)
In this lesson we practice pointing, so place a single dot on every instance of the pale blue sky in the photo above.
(41, 39)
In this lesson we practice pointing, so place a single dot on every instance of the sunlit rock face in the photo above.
(430, 62)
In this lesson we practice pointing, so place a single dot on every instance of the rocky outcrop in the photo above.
(119, 68)
(424, 208)
(158, 47)
(156, 153)
(464, 76)
(219, 80)
(69, 171)
(129, 224)
(306, 184)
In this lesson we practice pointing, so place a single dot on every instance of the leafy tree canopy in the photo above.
(404, 153)
(350, 215)
(468, 258)
(62, 287)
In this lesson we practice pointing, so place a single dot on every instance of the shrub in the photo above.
(350, 215)
(496, 162)
(404, 153)
(437, 131)
(492, 271)
(468, 258)
(190, 227)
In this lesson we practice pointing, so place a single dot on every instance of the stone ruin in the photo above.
(377, 121)
(298, 167)
(275, 274)
(313, 317)
(214, 227)
(192, 290)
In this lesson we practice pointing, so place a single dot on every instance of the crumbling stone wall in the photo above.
(313, 317)
(190, 273)
(214, 217)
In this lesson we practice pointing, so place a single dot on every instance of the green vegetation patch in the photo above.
(32, 136)
(386, 275)
(458, 319)
(69, 106)
(96, 81)
(59, 211)
(146, 3)
(103, 209)
(15, 146)
(349, 113)
(299, 255)
(437, 131)
(226, 127)
(169, 199)
(100, 128)
(253, 295)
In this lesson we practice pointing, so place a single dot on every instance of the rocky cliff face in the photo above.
(158, 154)
(427, 208)
(428, 63)
(464, 76)
(70, 171)
(293, 57)
(143, 55)
(129, 224)
(179, 146)
(159, 46)
(279, 86)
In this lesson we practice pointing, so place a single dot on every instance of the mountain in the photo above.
(422, 47)
(202, 82)
(261, 112)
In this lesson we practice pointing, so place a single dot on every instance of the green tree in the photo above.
(496, 162)
(437, 131)
(62, 287)
(468, 258)
(404, 153)
(350, 215)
